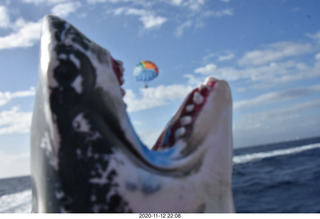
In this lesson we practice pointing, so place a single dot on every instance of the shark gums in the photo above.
(86, 156)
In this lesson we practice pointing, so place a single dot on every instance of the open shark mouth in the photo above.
(181, 124)
(86, 156)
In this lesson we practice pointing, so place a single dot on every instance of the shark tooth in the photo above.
(197, 98)
(186, 120)
(189, 108)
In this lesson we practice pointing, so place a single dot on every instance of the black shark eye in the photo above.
(66, 72)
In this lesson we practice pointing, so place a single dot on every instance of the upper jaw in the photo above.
(213, 126)
(198, 104)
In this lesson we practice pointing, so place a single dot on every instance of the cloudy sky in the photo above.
(268, 51)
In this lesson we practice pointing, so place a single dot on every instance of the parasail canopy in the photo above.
(145, 71)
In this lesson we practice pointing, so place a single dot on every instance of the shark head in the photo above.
(86, 156)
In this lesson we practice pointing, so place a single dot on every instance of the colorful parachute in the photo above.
(145, 71)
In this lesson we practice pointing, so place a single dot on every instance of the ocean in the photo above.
(275, 178)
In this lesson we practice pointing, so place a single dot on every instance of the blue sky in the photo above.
(268, 51)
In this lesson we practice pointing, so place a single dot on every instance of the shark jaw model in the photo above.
(85, 155)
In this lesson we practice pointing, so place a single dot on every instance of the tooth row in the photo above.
(203, 86)
(189, 108)
(186, 120)
(197, 98)
(179, 132)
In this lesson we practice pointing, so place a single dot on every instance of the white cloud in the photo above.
(175, 2)
(226, 57)
(143, 3)
(194, 5)
(317, 56)
(64, 9)
(315, 36)
(191, 5)
(263, 76)
(152, 21)
(14, 164)
(195, 12)
(26, 35)
(219, 57)
(34, 1)
(207, 57)
(155, 96)
(5, 97)
(274, 52)
(182, 27)
(147, 17)
(4, 17)
(194, 80)
(273, 72)
(149, 137)
(111, 1)
(51, 2)
(274, 118)
(189, 13)
(226, 73)
(14, 121)
(221, 13)
(208, 69)
(273, 97)
(95, 1)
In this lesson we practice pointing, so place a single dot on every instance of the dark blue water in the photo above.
(287, 183)
(274, 182)
(14, 185)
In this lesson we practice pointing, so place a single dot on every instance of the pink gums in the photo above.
(116, 69)
(160, 144)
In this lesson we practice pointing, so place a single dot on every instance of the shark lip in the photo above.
(182, 123)
(118, 70)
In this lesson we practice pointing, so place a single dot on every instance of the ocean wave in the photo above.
(240, 159)
(20, 202)
(16, 203)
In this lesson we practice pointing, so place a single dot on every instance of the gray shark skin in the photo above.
(86, 156)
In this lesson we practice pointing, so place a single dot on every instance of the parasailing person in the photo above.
(145, 71)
